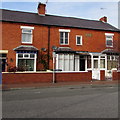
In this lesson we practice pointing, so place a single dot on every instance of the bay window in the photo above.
(26, 61)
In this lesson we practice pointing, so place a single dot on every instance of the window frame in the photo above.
(63, 31)
(109, 34)
(81, 41)
(27, 58)
(30, 33)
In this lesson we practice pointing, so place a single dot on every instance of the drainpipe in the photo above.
(48, 52)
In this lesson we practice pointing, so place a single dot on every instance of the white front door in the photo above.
(96, 69)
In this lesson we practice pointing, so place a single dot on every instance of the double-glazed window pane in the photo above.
(109, 41)
(20, 55)
(79, 40)
(61, 37)
(66, 38)
(26, 36)
(26, 65)
(95, 63)
(102, 63)
(32, 55)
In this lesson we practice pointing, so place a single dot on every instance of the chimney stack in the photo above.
(41, 9)
(103, 19)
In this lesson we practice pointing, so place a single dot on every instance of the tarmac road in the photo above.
(62, 102)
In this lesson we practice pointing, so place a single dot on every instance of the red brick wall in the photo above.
(17, 78)
(11, 38)
(116, 75)
(102, 74)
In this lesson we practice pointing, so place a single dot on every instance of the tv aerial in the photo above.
(46, 2)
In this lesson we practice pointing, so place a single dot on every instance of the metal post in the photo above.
(53, 67)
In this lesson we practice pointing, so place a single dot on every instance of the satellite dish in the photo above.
(54, 47)
(43, 49)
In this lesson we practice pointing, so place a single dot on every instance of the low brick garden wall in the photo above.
(43, 77)
(116, 75)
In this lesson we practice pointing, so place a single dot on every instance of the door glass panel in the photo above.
(102, 63)
(95, 63)
(89, 62)
(82, 63)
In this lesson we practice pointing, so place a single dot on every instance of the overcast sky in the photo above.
(92, 10)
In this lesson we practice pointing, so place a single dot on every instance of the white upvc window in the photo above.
(109, 39)
(26, 61)
(79, 40)
(65, 62)
(64, 36)
(27, 34)
(102, 62)
(71, 62)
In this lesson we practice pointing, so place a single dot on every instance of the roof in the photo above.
(66, 50)
(51, 20)
(110, 52)
(25, 48)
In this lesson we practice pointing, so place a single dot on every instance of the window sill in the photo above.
(26, 42)
(109, 46)
(79, 44)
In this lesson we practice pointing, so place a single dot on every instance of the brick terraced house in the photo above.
(34, 42)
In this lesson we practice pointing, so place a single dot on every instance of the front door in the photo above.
(82, 63)
(96, 68)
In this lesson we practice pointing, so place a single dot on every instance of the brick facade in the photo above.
(93, 43)
(45, 32)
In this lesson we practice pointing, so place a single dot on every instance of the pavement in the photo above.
(58, 84)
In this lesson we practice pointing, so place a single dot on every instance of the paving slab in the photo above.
(59, 84)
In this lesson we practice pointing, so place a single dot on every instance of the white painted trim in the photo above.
(16, 59)
(64, 30)
(35, 62)
(57, 61)
(109, 34)
(81, 41)
(27, 27)
(4, 51)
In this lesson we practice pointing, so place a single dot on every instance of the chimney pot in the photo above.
(103, 19)
(41, 9)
